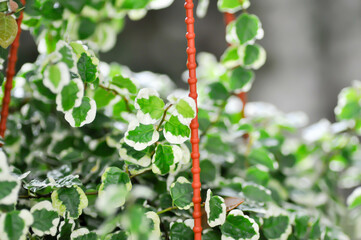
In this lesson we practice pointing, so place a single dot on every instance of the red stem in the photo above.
(192, 80)
(10, 72)
(229, 17)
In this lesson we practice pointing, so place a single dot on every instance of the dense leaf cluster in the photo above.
(96, 151)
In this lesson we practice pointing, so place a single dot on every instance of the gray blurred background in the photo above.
(313, 49)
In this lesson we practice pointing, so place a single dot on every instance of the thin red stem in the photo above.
(10, 72)
(192, 80)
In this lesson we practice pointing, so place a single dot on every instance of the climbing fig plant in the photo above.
(94, 150)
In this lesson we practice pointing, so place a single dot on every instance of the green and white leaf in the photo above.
(83, 234)
(155, 234)
(114, 176)
(70, 96)
(8, 30)
(176, 132)
(15, 225)
(113, 197)
(251, 56)
(241, 79)
(67, 53)
(140, 136)
(239, 227)
(149, 105)
(184, 109)
(46, 219)
(131, 155)
(232, 6)
(277, 227)
(215, 209)
(248, 28)
(166, 158)
(256, 192)
(56, 76)
(181, 230)
(181, 193)
(354, 200)
(83, 114)
(87, 68)
(65, 229)
(69, 202)
(10, 185)
(230, 58)
(123, 85)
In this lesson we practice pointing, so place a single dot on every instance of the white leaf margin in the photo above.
(5, 175)
(155, 234)
(222, 217)
(143, 162)
(142, 117)
(80, 95)
(137, 145)
(27, 218)
(173, 138)
(182, 119)
(65, 78)
(45, 205)
(90, 114)
(237, 212)
(353, 196)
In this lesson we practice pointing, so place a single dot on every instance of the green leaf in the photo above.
(239, 227)
(301, 226)
(254, 56)
(8, 30)
(257, 175)
(214, 144)
(51, 10)
(15, 225)
(175, 132)
(247, 26)
(83, 114)
(241, 79)
(129, 154)
(209, 171)
(165, 158)
(69, 202)
(103, 97)
(74, 6)
(230, 57)
(217, 91)
(83, 234)
(149, 105)
(86, 28)
(1, 76)
(256, 192)
(276, 227)
(123, 85)
(131, 4)
(215, 209)
(180, 231)
(181, 193)
(211, 234)
(140, 136)
(46, 219)
(315, 232)
(354, 200)
(10, 185)
(264, 157)
(68, 56)
(4, 6)
(56, 76)
(87, 69)
(185, 110)
(232, 6)
(70, 96)
(114, 176)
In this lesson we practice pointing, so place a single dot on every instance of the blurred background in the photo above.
(313, 49)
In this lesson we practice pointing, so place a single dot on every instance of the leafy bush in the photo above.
(96, 151)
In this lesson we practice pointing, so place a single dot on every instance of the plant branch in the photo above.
(163, 117)
(115, 92)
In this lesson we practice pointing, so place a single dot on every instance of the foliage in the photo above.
(96, 151)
